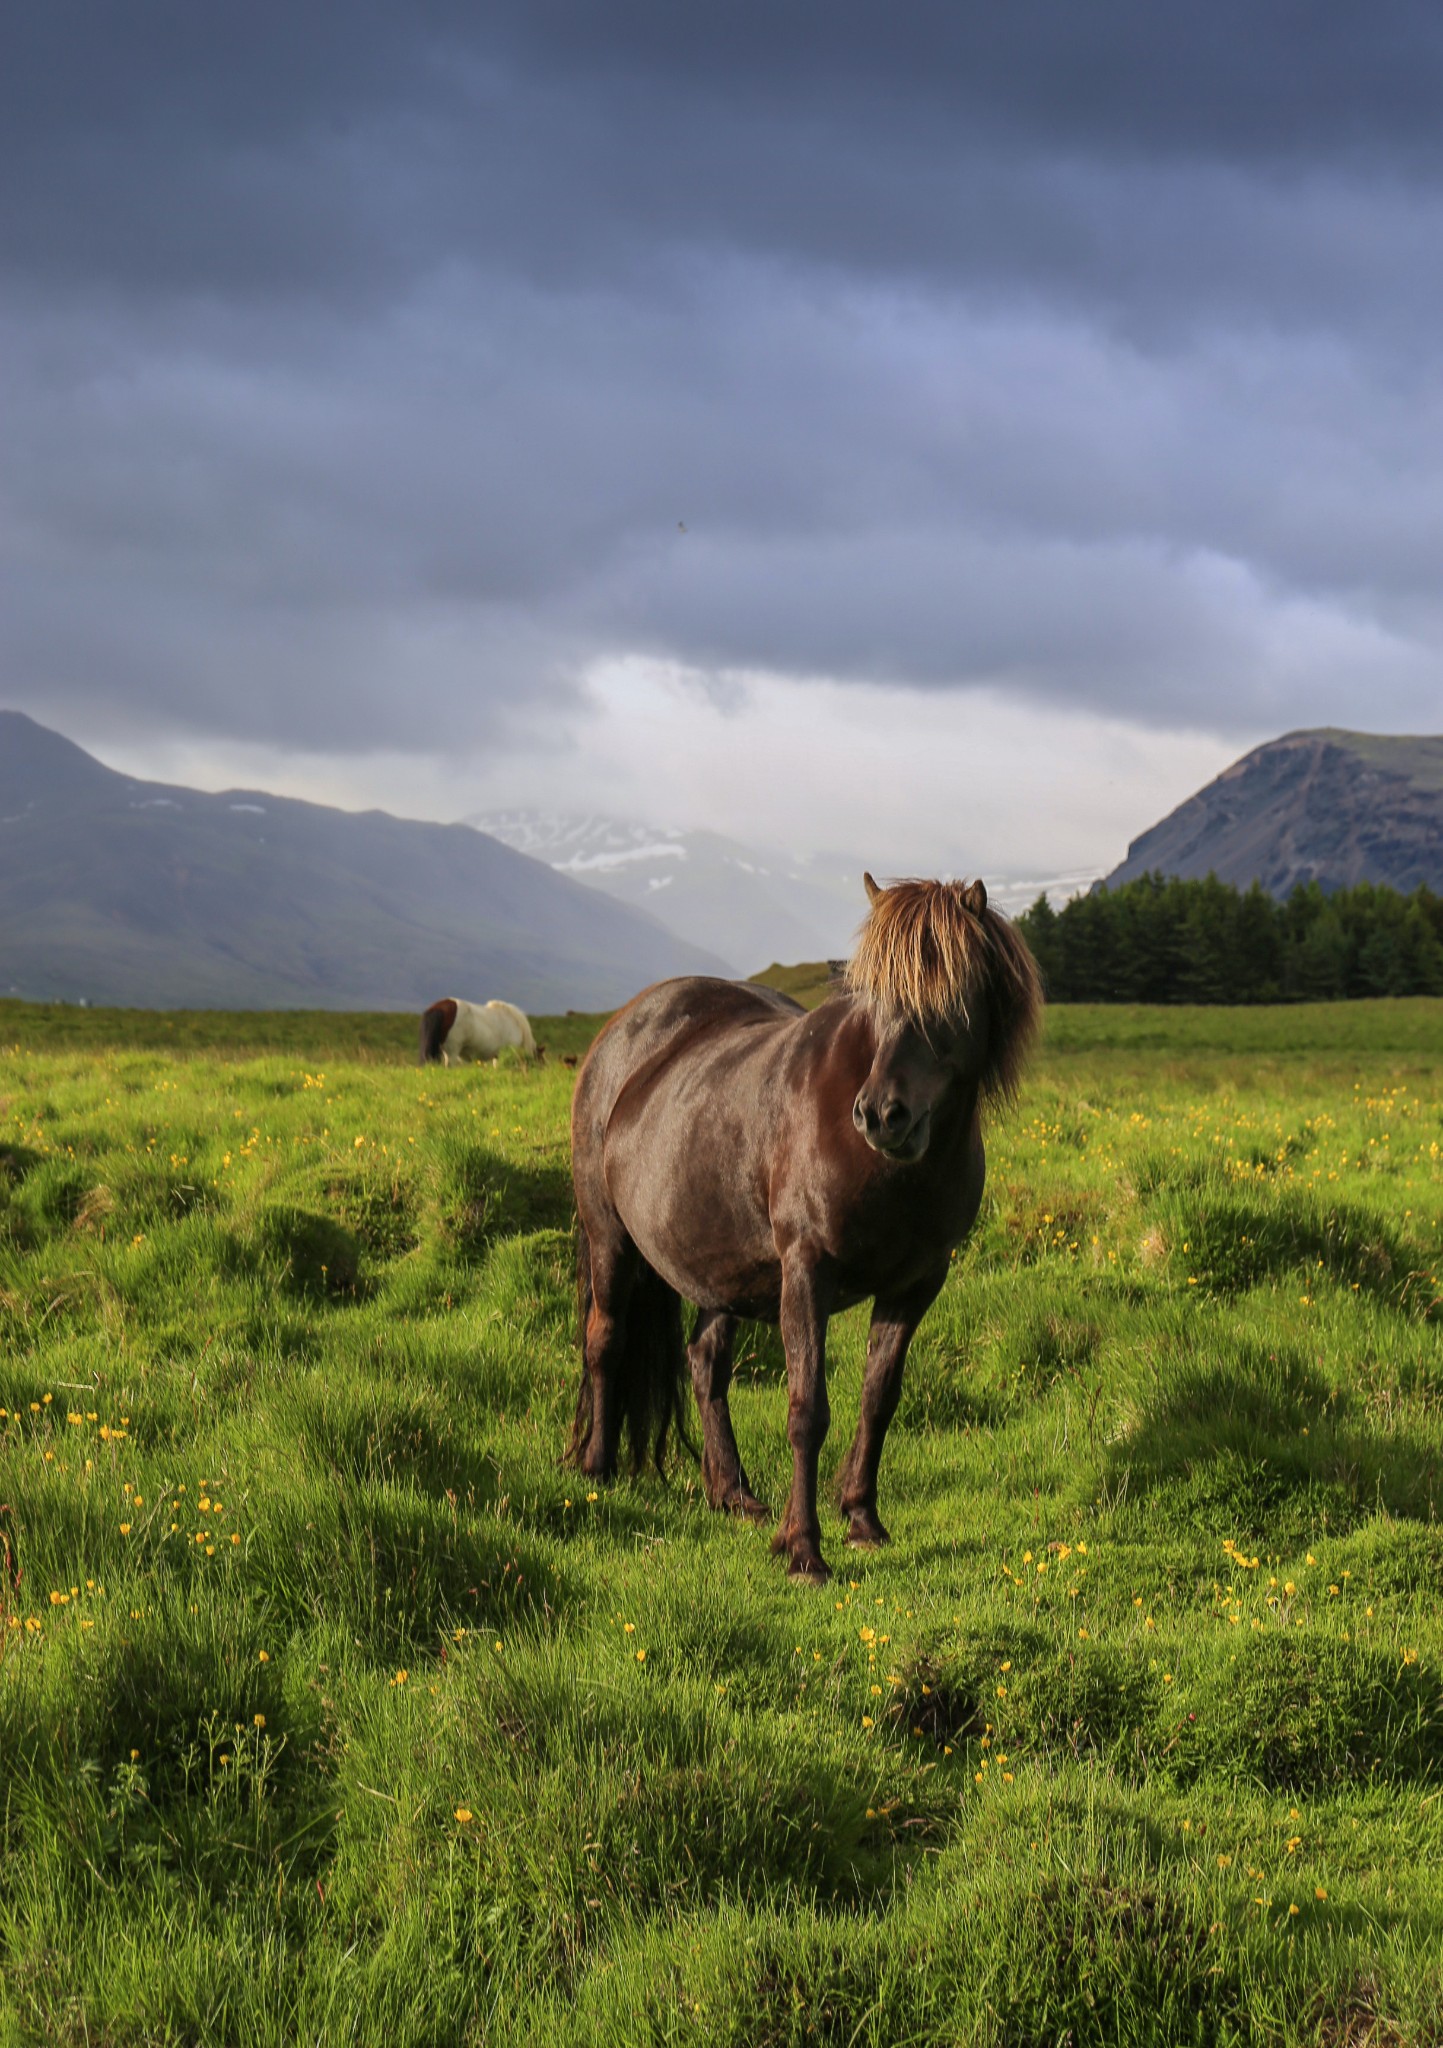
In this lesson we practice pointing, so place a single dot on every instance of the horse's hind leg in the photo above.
(614, 1265)
(710, 1358)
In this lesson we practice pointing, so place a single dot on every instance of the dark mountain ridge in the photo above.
(1326, 806)
(139, 893)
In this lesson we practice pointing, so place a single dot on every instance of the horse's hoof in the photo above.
(804, 1561)
(866, 1533)
(809, 1568)
(748, 1507)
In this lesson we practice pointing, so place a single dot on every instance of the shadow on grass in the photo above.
(625, 1510)
(677, 1798)
(375, 1435)
(1014, 1689)
(16, 1161)
(179, 1756)
(1237, 1240)
(1262, 1446)
(483, 1196)
(17, 1226)
(1026, 1225)
(380, 1209)
(997, 1370)
(399, 1571)
(1087, 1959)
(1302, 1713)
(302, 1254)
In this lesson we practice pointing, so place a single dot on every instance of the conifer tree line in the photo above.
(1161, 940)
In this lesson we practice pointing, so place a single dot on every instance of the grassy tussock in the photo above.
(333, 1707)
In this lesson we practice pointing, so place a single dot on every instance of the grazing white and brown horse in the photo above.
(453, 1030)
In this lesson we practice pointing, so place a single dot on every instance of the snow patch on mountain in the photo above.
(752, 905)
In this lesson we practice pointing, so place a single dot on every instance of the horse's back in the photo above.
(655, 1027)
(701, 1001)
(519, 1021)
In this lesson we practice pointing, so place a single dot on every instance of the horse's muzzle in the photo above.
(893, 1130)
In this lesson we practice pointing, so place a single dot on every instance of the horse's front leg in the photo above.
(710, 1358)
(803, 1319)
(893, 1322)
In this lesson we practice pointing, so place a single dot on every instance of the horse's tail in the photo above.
(650, 1371)
(436, 1028)
(528, 1039)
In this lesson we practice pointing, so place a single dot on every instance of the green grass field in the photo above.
(333, 1708)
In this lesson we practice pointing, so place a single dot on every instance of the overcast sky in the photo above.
(946, 434)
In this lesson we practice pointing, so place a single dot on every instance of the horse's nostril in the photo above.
(894, 1115)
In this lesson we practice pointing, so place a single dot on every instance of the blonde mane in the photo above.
(931, 950)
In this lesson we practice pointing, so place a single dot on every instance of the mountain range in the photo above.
(126, 892)
(1325, 806)
(751, 904)
(114, 890)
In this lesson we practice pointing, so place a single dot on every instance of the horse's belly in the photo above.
(707, 1251)
(752, 1291)
(694, 1205)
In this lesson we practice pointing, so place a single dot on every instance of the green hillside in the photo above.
(808, 983)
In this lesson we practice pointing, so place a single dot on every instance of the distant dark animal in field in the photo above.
(768, 1162)
(452, 1030)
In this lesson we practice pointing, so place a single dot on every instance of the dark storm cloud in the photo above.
(274, 146)
(1233, 77)
(361, 359)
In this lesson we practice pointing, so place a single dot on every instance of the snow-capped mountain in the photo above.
(751, 905)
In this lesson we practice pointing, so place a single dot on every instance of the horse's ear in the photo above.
(975, 898)
(873, 892)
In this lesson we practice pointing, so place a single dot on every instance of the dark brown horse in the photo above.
(763, 1161)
